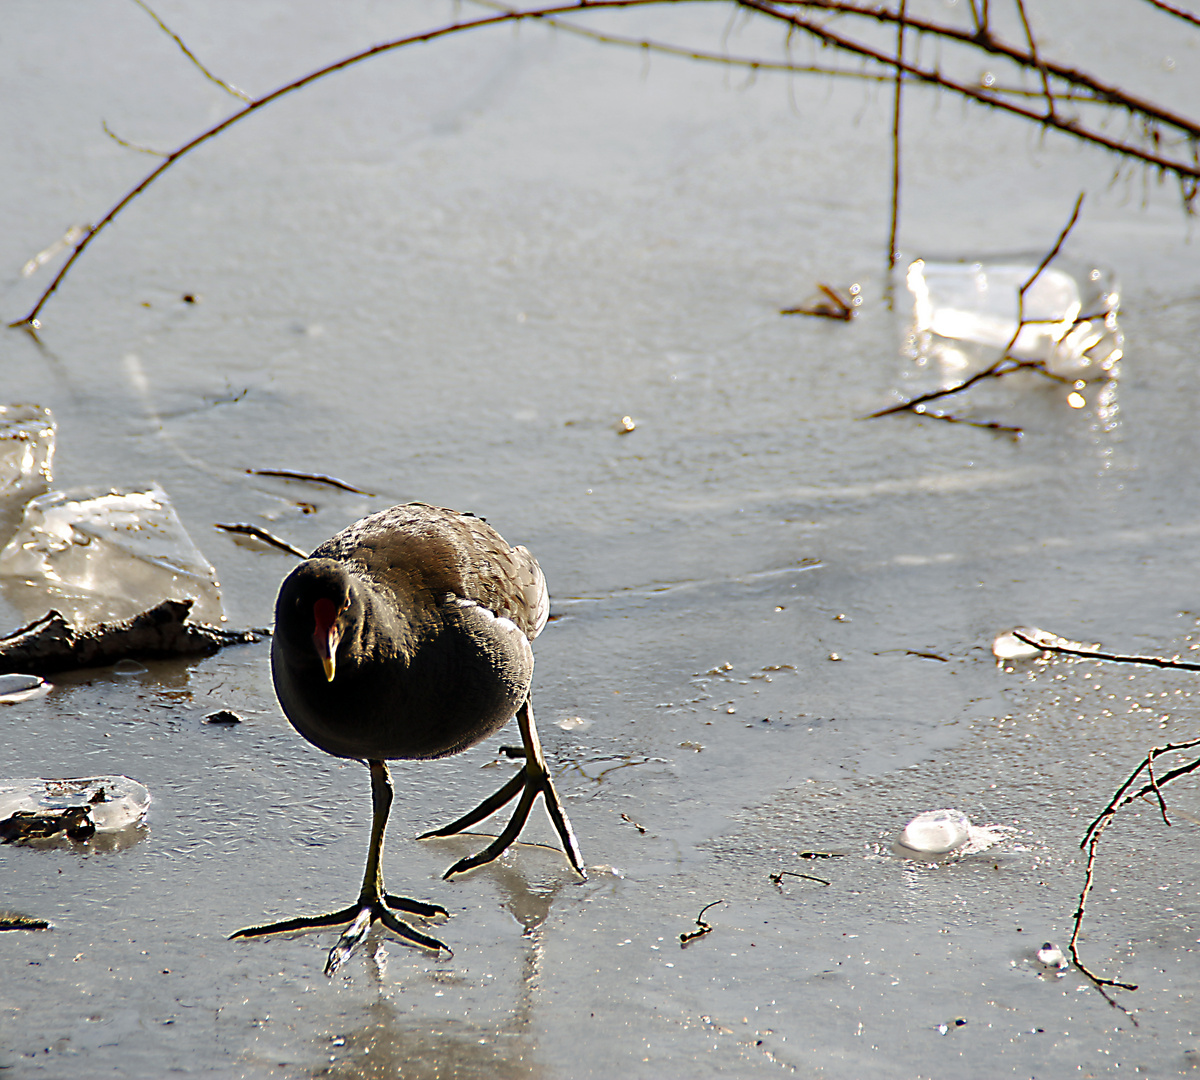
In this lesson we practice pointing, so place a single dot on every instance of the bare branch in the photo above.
(1091, 839)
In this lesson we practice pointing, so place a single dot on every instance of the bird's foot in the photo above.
(529, 783)
(360, 916)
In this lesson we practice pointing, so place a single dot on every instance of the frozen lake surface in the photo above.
(447, 275)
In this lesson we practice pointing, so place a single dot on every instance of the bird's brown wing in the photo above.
(415, 547)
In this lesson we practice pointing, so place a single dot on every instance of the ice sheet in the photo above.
(105, 554)
(1068, 315)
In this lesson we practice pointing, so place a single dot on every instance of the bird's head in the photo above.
(313, 611)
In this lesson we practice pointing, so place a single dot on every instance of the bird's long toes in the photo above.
(414, 907)
(402, 930)
(304, 922)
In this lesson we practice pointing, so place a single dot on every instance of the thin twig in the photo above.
(702, 927)
(311, 478)
(1179, 13)
(128, 145)
(1033, 52)
(1096, 654)
(263, 535)
(840, 309)
(649, 45)
(777, 879)
(192, 56)
(893, 254)
(986, 425)
(1185, 165)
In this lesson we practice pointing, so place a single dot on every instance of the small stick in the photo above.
(986, 425)
(841, 310)
(640, 828)
(704, 928)
(263, 535)
(777, 879)
(311, 478)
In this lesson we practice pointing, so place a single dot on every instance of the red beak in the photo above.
(327, 634)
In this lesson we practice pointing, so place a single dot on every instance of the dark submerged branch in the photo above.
(51, 644)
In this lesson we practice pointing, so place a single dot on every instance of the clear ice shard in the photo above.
(966, 311)
(98, 555)
(113, 802)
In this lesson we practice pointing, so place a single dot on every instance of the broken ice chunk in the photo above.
(944, 832)
(1068, 317)
(26, 455)
(14, 688)
(37, 808)
(26, 449)
(100, 555)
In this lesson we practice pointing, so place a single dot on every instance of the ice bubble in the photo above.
(1051, 956)
(99, 555)
(935, 832)
(944, 832)
(112, 802)
(14, 688)
(1068, 315)
(574, 723)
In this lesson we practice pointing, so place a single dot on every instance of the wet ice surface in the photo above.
(458, 297)
(103, 555)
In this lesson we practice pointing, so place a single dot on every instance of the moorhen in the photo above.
(407, 635)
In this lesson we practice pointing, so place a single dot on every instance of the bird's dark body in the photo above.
(435, 655)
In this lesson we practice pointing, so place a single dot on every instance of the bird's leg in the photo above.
(533, 780)
(373, 902)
